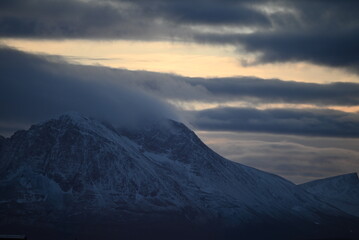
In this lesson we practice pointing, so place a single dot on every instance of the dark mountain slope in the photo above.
(340, 191)
(75, 176)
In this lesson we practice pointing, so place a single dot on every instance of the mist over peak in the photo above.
(45, 89)
(110, 110)
(37, 87)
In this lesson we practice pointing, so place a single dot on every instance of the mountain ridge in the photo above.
(340, 191)
(352, 177)
(72, 167)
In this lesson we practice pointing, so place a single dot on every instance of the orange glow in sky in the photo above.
(187, 59)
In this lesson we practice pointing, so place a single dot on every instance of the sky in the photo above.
(272, 84)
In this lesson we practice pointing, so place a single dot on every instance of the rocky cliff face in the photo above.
(74, 170)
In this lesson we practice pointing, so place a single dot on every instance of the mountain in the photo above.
(74, 176)
(2, 141)
(340, 191)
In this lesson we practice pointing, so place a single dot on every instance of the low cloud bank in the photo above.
(34, 88)
(310, 122)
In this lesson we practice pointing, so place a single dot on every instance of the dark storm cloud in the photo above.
(318, 31)
(313, 122)
(34, 88)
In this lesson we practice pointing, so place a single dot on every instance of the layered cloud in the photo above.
(314, 122)
(320, 32)
(256, 90)
(297, 158)
(120, 19)
(35, 87)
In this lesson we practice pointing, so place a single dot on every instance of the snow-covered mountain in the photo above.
(340, 191)
(73, 172)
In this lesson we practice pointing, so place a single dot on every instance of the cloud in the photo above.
(297, 158)
(34, 88)
(310, 122)
(259, 90)
(119, 19)
(321, 48)
(61, 19)
(205, 12)
(250, 89)
(223, 90)
(76, 19)
(321, 32)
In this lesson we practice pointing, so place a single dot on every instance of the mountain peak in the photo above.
(63, 121)
(2, 139)
(71, 120)
(73, 167)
